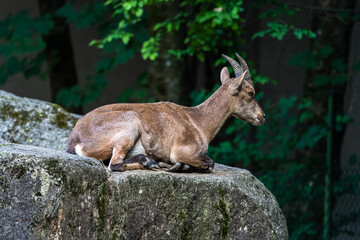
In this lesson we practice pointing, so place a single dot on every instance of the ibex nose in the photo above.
(261, 118)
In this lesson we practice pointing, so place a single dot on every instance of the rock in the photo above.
(34, 122)
(49, 194)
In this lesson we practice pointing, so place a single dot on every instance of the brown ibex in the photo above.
(164, 134)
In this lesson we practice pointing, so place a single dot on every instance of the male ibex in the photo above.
(164, 134)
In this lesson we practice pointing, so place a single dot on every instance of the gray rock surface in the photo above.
(49, 194)
(34, 122)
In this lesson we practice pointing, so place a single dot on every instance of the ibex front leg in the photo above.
(197, 162)
(177, 167)
(208, 165)
(123, 145)
(139, 161)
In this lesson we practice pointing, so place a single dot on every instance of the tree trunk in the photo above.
(171, 79)
(59, 51)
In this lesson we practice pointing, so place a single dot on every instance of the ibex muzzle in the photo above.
(166, 135)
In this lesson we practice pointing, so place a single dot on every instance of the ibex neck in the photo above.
(212, 114)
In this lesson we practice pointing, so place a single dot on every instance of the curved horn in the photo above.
(242, 61)
(238, 69)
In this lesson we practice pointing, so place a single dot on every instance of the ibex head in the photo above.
(241, 89)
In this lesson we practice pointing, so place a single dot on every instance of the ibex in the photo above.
(163, 134)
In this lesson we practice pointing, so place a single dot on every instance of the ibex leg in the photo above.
(199, 163)
(140, 162)
(122, 146)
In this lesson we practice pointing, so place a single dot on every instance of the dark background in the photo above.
(269, 56)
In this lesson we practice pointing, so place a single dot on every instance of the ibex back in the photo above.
(166, 135)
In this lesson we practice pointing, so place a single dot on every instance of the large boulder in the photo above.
(34, 122)
(49, 194)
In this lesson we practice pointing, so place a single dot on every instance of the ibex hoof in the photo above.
(175, 168)
(116, 168)
(207, 170)
(186, 168)
(164, 165)
(150, 164)
(207, 167)
(154, 167)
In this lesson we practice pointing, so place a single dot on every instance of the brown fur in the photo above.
(168, 132)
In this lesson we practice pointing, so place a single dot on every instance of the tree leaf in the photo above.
(68, 12)
(326, 51)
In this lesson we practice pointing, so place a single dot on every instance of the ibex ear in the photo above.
(236, 85)
(224, 75)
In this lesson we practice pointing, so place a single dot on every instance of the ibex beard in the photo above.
(165, 135)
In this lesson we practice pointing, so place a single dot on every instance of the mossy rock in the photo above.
(34, 122)
(49, 194)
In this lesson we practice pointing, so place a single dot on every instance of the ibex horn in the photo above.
(238, 69)
(242, 61)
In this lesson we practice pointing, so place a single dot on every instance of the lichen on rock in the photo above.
(34, 122)
(52, 194)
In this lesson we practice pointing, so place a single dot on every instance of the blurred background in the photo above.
(304, 58)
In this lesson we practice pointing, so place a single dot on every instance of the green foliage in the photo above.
(78, 96)
(356, 67)
(315, 59)
(150, 48)
(277, 27)
(87, 16)
(304, 59)
(261, 79)
(22, 48)
(207, 29)
(130, 13)
(21, 45)
(138, 93)
(278, 30)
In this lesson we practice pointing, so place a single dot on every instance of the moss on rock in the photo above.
(58, 195)
(18, 171)
(101, 206)
(185, 229)
(224, 221)
(34, 122)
